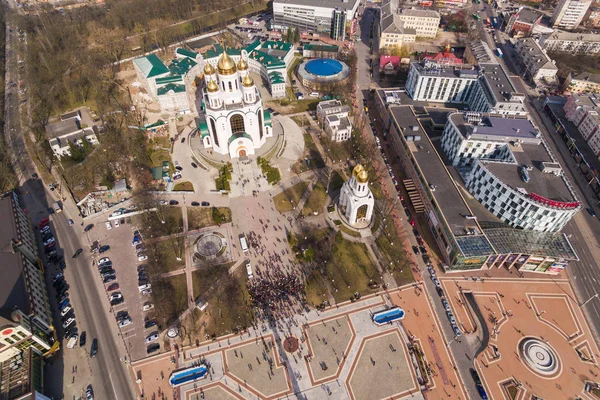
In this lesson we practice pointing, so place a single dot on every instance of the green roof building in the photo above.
(150, 66)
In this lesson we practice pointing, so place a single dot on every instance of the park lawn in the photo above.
(157, 156)
(315, 201)
(199, 218)
(166, 252)
(337, 151)
(286, 200)
(349, 231)
(184, 187)
(170, 298)
(336, 181)
(395, 254)
(303, 106)
(316, 289)
(151, 225)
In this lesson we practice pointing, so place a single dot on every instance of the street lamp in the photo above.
(588, 300)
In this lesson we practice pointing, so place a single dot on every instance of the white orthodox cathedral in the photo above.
(356, 197)
(235, 122)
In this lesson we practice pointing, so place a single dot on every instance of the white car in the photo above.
(146, 292)
(163, 202)
(152, 337)
(68, 322)
(116, 296)
(142, 257)
(144, 287)
(249, 269)
(124, 322)
(103, 260)
(116, 223)
(147, 306)
(65, 311)
(45, 229)
(108, 225)
(70, 222)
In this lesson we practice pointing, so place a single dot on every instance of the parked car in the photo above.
(94, 348)
(150, 323)
(124, 322)
(106, 271)
(591, 211)
(147, 306)
(142, 257)
(151, 337)
(88, 228)
(68, 322)
(82, 339)
(112, 287)
(89, 393)
(108, 225)
(78, 252)
(116, 302)
(205, 204)
(121, 315)
(173, 202)
(103, 248)
(109, 278)
(478, 384)
(103, 260)
(194, 165)
(195, 203)
(415, 249)
(116, 295)
(65, 311)
(153, 348)
(146, 292)
(116, 223)
(49, 241)
(70, 222)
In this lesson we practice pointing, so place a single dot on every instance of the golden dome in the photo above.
(242, 65)
(212, 86)
(208, 69)
(226, 65)
(360, 174)
(247, 81)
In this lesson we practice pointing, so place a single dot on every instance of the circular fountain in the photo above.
(539, 356)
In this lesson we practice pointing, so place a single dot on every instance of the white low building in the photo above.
(69, 131)
(571, 42)
(356, 199)
(333, 115)
(538, 66)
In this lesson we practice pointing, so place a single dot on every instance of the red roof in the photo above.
(385, 60)
(443, 58)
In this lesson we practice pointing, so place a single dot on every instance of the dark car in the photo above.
(205, 204)
(78, 252)
(113, 286)
(122, 315)
(179, 168)
(422, 249)
(478, 384)
(94, 348)
(416, 233)
(173, 202)
(149, 324)
(195, 203)
(194, 165)
(182, 140)
(141, 267)
(109, 278)
(106, 270)
(88, 228)
(103, 248)
(415, 249)
(591, 211)
(407, 212)
(153, 348)
(82, 339)
(115, 302)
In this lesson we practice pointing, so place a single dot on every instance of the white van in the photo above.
(243, 242)
(314, 94)
(249, 269)
(144, 287)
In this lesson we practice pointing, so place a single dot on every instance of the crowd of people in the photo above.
(278, 288)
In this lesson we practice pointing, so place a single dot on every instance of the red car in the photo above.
(412, 222)
(44, 222)
(113, 286)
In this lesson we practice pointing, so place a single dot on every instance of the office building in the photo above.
(333, 116)
(473, 234)
(584, 111)
(569, 42)
(397, 26)
(523, 22)
(322, 16)
(424, 22)
(26, 331)
(538, 66)
(568, 14)
(486, 88)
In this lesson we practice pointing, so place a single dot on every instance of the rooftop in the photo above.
(432, 68)
(497, 128)
(587, 76)
(546, 185)
(170, 86)
(434, 171)
(151, 65)
(13, 291)
(415, 12)
(535, 54)
(498, 82)
(481, 51)
(574, 37)
(321, 47)
(528, 15)
(340, 4)
(519, 241)
(61, 128)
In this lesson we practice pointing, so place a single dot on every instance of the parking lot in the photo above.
(123, 259)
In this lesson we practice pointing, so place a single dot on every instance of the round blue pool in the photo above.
(324, 67)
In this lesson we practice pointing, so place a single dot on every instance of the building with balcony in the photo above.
(568, 14)
(584, 82)
(584, 111)
(538, 66)
(26, 330)
(570, 42)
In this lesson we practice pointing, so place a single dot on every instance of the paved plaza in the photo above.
(537, 335)
(358, 354)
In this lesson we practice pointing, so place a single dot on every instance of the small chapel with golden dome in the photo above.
(356, 199)
(234, 116)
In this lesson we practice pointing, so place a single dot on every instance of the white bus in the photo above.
(243, 242)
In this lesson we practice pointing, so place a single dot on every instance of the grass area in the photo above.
(163, 256)
(316, 201)
(582, 62)
(513, 391)
(199, 218)
(151, 223)
(349, 231)
(302, 106)
(222, 182)
(184, 187)
(170, 297)
(295, 62)
(338, 151)
(336, 181)
(286, 200)
(300, 120)
(158, 156)
(349, 269)
(312, 156)
(390, 246)
(273, 175)
(226, 296)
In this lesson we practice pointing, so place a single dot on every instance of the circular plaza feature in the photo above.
(291, 344)
(209, 245)
(321, 72)
(539, 356)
